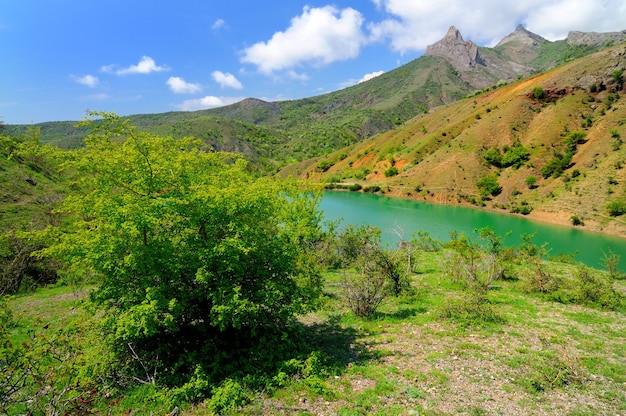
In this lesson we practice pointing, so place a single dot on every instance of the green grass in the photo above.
(409, 357)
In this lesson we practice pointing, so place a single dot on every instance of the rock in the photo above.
(460, 54)
(523, 37)
(594, 38)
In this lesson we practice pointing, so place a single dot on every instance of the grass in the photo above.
(539, 357)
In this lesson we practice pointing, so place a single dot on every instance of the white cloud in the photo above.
(318, 36)
(371, 75)
(209, 101)
(226, 80)
(87, 80)
(146, 65)
(556, 18)
(417, 24)
(218, 24)
(297, 76)
(179, 86)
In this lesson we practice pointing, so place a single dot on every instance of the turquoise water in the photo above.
(439, 220)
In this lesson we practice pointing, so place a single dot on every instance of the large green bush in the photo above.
(192, 254)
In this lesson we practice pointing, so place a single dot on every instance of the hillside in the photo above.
(276, 133)
(571, 118)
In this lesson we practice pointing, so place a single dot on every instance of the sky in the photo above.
(62, 58)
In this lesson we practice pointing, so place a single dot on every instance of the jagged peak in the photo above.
(453, 32)
(522, 35)
(461, 54)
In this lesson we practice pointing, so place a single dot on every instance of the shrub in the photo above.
(611, 263)
(229, 397)
(475, 266)
(193, 253)
(424, 242)
(493, 157)
(557, 165)
(370, 272)
(576, 220)
(538, 279)
(514, 156)
(372, 189)
(593, 288)
(531, 181)
(324, 165)
(488, 186)
(617, 207)
(392, 171)
(355, 187)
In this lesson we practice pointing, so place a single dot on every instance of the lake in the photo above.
(439, 220)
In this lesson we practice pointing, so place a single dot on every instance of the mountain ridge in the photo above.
(300, 129)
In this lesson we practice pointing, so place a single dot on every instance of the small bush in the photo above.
(539, 280)
(531, 182)
(611, 263)
(355, 187)
(617, 207)
(372, 189)
(576, 221)
(549, 370)
(557, 165)
(392, 171)
(324, 165)
(488, 186)
(595, 289)
(229, 397)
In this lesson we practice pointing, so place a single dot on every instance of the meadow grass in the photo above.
(537, 356)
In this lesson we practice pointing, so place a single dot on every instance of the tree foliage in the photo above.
(189, 250)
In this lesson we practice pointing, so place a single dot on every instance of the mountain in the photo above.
(549, 146)
(274, 134)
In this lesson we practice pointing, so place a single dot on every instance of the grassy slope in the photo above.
(541, 358)
(440, 154)
(28, 192)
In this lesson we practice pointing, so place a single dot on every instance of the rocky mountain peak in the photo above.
(594, 38)
(461, 54)
(523, 37)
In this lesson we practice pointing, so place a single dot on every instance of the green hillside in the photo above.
(283, 132)
(549, 146)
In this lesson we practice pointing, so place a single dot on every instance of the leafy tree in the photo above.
(493, 157)
(193, 255)
(515, 156)
(488, 186)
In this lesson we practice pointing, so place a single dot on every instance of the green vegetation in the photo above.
(617, 207)
(514, 156)
(391, 171)
(182, 279)
(562, 161)
(531, 181)
(473, 316)
(488, 186)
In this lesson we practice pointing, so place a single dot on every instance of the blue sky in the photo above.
(62, 57)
